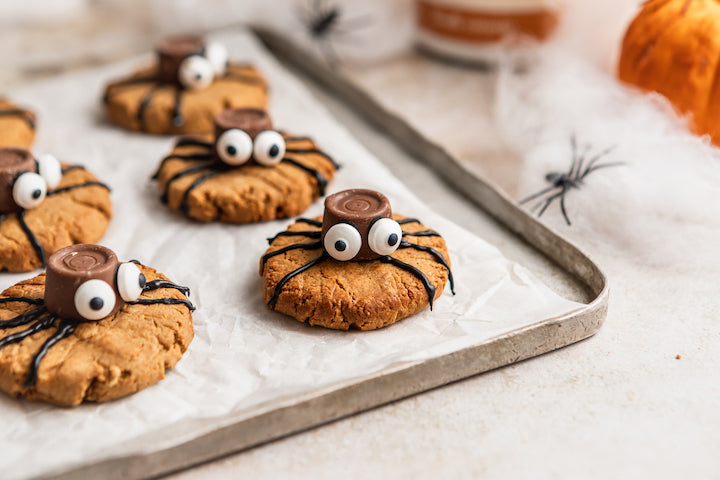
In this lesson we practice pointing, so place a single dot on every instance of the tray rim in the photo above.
(276, 419)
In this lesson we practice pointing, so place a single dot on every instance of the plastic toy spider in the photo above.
(25, 182)
(561, 183)
(84, 283)
(185, 63)
(358, 226)
(243, 137)
(325, 22)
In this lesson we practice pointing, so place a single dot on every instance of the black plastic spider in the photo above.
(185, 63)
(242, 136)
(84, 283)
(561, 183)
(25, 182)
(325, 22)
(358, 226)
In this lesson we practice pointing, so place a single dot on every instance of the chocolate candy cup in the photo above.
(70, 267)
(171, 51)
(251, 120)
(12, 162)
(359, 207)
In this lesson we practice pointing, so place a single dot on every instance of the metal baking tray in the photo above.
(281, 418)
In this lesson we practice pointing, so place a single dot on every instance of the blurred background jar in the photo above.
(479, 31)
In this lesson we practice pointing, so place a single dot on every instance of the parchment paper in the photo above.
(242, 354)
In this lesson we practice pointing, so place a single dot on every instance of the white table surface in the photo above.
(619, 405)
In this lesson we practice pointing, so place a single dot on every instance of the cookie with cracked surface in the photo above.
(359, 266)
(246, 172)
(17, 125)
(45, 206)
(191, 82)
(142, 327)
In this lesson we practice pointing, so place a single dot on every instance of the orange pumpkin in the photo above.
(673, 47)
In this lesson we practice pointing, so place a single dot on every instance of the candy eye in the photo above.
(269, 148)
(342, 242)
(94, 300)
(195, 72)
(217, 55)
(50, 169)
(29, 190)
(130, 281)
(234, 146)
(384, 236)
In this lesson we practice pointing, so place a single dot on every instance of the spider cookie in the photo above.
(191, 83)
(45, 206)
(17, 125)
(359, 267)
(246, 172)
(90, 328)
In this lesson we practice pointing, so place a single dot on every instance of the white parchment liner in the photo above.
(242, 354)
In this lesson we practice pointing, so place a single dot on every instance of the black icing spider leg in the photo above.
(32, 238)
(65, 329)
(421, 233)
(405, 221)
(19, 113)
(24, 318)
(29, 300)
(296, 233)
(240, 78)
(294, 246)
(438, 256)
(310, 221)
(163, 301)
(71, 168)
(145, 103)
(155, 284)
(184, 207)
(429, 287)
(29, 233)
(42, 324)
(127, 83)
(189, 157)
(79, 185)
(278, 288)
(315, 151)
(180, 174)
(294, 139)
(194, 142)
(319, 177)
(177, 118)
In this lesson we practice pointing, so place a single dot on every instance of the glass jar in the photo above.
(473, 30)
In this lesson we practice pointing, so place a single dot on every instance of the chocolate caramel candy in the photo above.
(13, 161)
(243, 134)
(80, 283)
(351, 211)
(251, 120)
(172, 51)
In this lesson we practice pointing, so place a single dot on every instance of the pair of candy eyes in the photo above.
(95, 299)
(198, 71)
(343, 241)
(235, 147)
(29, 188)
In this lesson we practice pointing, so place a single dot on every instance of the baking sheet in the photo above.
(243, 356)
